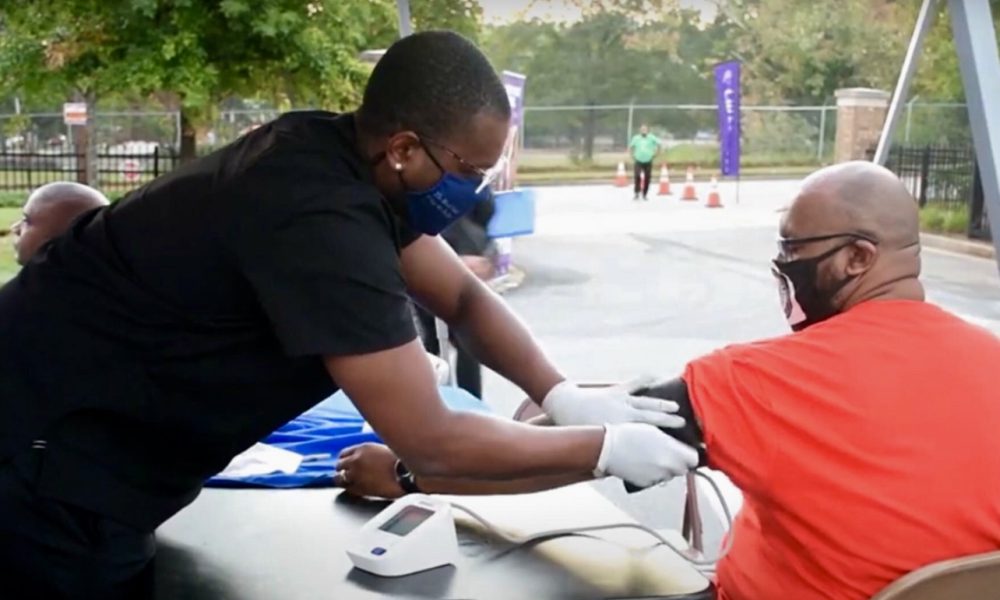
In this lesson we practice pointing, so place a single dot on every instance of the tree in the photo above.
(938, 75)
(800, 53)
(462, 16)
(191, 53)
(617, 54)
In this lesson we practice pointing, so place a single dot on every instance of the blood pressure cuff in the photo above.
(677, 391)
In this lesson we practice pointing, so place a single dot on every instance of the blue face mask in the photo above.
(431, 211)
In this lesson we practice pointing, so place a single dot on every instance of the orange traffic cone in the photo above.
(714, 200)
(664, 181)
(689, 191)
(621, 179)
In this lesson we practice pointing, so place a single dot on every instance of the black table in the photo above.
(290, 544)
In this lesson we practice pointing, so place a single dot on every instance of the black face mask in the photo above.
(804, 302)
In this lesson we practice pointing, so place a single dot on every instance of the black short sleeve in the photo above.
(327, 273)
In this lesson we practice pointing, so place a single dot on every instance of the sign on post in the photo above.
(75, 113)
(130, 170)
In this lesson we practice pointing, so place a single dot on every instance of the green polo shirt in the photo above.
(644, 147)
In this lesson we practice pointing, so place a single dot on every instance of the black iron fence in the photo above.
(944, 176)
(114, 170)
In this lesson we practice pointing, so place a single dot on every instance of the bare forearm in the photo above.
(482, 447)
(473, 487)
(498, 338)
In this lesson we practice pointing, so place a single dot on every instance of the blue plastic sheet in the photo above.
(328, 428)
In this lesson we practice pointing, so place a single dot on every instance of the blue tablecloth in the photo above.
(328, 428)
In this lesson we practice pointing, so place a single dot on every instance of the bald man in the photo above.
(48, 213)
(865, 443)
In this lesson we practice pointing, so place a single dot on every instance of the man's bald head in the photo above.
(48, 213)
(859, 197)
(852, 234)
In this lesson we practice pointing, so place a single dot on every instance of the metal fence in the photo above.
(945, 176)
(935, 174)
(583, 135)
(117, 169)
(573, 136)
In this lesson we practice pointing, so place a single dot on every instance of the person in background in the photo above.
(49, 212)
(865, 442)
(469, 239)
(643, 149)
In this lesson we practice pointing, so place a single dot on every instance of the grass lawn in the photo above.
(8, 267)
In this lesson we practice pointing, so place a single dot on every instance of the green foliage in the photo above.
(10, 200)
(609, 57)
(463, 16)
(938, 75)
(195, 53)
(945, 218)
(801, 52)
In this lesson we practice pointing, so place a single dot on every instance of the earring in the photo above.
(399, 166)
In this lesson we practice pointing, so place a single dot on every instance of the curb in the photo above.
(609, 181)
(959, 245)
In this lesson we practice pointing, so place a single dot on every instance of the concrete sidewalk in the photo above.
(959, 245)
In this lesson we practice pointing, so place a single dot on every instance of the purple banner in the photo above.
(727, 96)
(514, 83)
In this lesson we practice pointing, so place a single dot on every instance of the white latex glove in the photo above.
(568, 404)
(643, 455)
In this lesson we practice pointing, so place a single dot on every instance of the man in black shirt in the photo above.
(157, 338)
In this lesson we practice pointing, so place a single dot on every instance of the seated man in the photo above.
(865, 442)
(48, 213)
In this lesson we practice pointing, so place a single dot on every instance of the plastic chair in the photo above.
(967, 578)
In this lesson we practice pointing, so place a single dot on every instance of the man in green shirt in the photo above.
(644, 147)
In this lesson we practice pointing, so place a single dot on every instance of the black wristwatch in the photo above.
(406, 480)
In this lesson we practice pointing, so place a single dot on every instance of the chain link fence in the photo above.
(574, 138)
(596, 137)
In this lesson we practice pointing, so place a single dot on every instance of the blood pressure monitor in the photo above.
(415, 533)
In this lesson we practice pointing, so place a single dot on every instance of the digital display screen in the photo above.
(406, 520)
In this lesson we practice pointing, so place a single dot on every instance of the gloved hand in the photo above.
(569, 404)
(643, 455)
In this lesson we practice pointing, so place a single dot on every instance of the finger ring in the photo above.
(343, 477)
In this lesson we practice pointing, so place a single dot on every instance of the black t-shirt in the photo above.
(162, 335)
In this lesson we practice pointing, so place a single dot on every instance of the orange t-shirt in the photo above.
(866, 446)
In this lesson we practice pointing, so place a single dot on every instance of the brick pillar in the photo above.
(860, 116)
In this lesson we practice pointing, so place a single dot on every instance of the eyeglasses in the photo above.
(487, 176)
(786, 244)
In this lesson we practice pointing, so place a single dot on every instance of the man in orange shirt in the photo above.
(866, 443)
